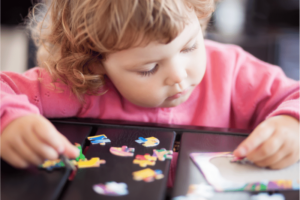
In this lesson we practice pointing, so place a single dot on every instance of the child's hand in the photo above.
(274, 143)
(32, 139)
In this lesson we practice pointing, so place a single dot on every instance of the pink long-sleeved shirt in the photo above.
(237, 91)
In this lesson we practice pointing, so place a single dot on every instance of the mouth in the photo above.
(179, 94)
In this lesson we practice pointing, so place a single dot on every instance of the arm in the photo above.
(26, 136)
(270, 100)
(34, 93)
(260, 91)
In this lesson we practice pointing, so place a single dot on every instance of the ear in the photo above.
(96, 68)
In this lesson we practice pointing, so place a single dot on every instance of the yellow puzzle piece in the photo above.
(147, 175)
(151, 141)
(93, 162)
(142, 174)
(49, 163)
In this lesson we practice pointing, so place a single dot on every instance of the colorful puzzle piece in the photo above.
(148, 142)
(122, 151)
(147, 175)
(99, 139)
(80, 162)
(52, 164)
(162, 154)
(93, 162)
(111, 189)
(81, 156)
(144, 160)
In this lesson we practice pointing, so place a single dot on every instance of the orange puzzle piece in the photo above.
(144, 160)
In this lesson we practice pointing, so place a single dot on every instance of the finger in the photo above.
(266, 149)
(12, 157)
(71, 151)
(286, 161)
(255, 139)
(39, 147)
(274, 158)
(26, 152)
(46, 132)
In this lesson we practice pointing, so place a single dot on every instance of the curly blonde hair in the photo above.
(72, 34)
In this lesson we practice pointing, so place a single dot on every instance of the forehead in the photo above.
(154, 50)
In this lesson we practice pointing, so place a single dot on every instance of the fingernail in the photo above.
(242, 151)
(61, 149)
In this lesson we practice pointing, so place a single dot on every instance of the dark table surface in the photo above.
(39, 184)
(120, 169)
(187, 173)
(34, 183)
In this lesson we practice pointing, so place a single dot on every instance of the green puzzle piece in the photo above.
(81, 156)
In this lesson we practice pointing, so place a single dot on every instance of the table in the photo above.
(187, 173)
(120, 169)
(37, 184)
(33, 183)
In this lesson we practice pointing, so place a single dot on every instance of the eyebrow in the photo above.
(152, 61)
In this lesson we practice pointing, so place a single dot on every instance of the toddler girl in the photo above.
(145, 61)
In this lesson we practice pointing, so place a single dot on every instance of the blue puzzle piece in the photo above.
(100, 141)
(141, 140)
(101, 137)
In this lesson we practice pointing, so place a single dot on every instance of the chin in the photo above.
(174, 103)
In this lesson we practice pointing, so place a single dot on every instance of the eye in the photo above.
(150, 72)
(190, 49)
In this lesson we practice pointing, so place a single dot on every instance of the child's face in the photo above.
(160, 75)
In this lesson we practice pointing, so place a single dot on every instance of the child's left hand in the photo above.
(274, 143)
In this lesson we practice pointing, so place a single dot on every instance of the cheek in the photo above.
(198, 67)
(137, 91)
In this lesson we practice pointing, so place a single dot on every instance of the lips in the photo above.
(179, 94)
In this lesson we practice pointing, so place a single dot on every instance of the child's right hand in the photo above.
(32, 139)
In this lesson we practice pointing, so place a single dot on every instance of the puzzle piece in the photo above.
(111, 189)
(162, 154)
(144, 160)
(147, 175)
(81, 156)
(99, 139)
(80, 162)
(52, 164)
(148, 142)
(93, 162)
(122, 151)
(141, 140)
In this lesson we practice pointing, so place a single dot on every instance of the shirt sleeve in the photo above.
(34, 93)
(261, 91)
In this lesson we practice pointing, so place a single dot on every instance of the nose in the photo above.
(176, 72)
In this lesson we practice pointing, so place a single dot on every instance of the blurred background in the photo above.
(268, 29)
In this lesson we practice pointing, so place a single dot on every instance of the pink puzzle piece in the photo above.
(122, 151)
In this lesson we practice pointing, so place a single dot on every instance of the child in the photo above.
(144, 61)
